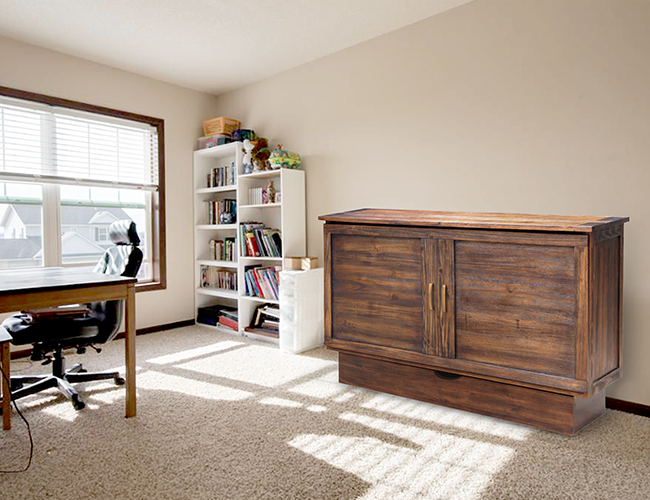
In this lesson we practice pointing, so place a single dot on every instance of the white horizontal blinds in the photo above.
(20, 141)
(41, 143)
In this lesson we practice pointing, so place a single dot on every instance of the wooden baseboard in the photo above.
(627, 407)
(160, 328)
(23, 353)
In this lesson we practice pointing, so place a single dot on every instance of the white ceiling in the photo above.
(208, 45)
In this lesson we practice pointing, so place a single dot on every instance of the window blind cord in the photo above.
(29, 433)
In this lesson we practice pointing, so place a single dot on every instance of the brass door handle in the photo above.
(431, 296)
(444, 298)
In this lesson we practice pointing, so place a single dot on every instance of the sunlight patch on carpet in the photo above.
(64, 411)
(258, 365)
(189, 387)
(38, 400)
(446, 416)
(319, 388)
(287, 403)
(193, 353)
(106, 393)
(437, 465)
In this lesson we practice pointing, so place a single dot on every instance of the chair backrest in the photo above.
(123, 258)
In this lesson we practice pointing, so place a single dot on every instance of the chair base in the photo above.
(62, 379)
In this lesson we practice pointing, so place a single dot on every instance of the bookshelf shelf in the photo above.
(218, 263)
(263, 205)
(259, 299)
(218, 292)
(258, 259)
(216, 227)
(264, 174)
(219, 189)
(287, 216)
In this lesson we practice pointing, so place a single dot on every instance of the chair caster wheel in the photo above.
(119, 381)
(78, 404)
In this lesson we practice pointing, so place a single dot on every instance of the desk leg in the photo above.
(6, 390)
(129, 354)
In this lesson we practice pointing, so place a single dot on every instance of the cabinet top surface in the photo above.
(526, 222)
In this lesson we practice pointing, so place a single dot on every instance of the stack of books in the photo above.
(221, 211)
(223, 249)
(258, 240)
(222, 176)
(221, 315)
(215, 277)
(265, 321)
(262, 282)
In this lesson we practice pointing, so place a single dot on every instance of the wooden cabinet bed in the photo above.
(513, 316)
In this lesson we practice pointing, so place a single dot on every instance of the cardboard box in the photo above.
(300, 263)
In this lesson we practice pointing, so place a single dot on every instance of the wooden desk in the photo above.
(55, 286)
(5, 338)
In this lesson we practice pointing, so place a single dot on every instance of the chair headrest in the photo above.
(123, 232)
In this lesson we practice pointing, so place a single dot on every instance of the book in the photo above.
(210, 315)
(233, 315)
(271, 235)
(230, 323)
(277, 240)
(260, 316)
(271, 311)
(252, 249)
(262, 331)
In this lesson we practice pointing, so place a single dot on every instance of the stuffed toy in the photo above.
(260, 154)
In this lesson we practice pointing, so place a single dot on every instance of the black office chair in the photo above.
(51, 332)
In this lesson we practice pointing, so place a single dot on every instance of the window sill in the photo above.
(149, 286)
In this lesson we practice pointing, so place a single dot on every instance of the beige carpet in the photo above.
(221, 417)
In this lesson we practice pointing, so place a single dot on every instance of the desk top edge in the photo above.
(28, 280)
(469, 220)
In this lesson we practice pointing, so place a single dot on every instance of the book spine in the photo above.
(258, 288)
(251, 245)
(266, 280)
(228, 322)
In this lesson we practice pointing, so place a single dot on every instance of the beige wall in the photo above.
(38, 70)
(503, 106)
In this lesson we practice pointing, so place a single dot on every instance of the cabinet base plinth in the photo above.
(537, 408)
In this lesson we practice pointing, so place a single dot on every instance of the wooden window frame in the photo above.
(158, 231)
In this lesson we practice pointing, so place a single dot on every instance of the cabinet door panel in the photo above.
(377, 290)
(515, 306)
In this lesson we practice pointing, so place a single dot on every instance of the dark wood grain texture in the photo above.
(605, 310)
(532, 311)
(444, 286)
(376, 288)
(515, 306)
(524, 378)
(542, 409)
(526, 222)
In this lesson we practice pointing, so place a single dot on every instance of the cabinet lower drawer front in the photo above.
(546, 410)
(377, 290)
(516, 306)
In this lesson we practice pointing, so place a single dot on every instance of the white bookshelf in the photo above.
(288, 216)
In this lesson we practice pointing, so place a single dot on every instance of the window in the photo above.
(101, 234)
(67, 171)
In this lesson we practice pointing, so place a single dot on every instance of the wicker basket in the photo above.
(220, 125)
